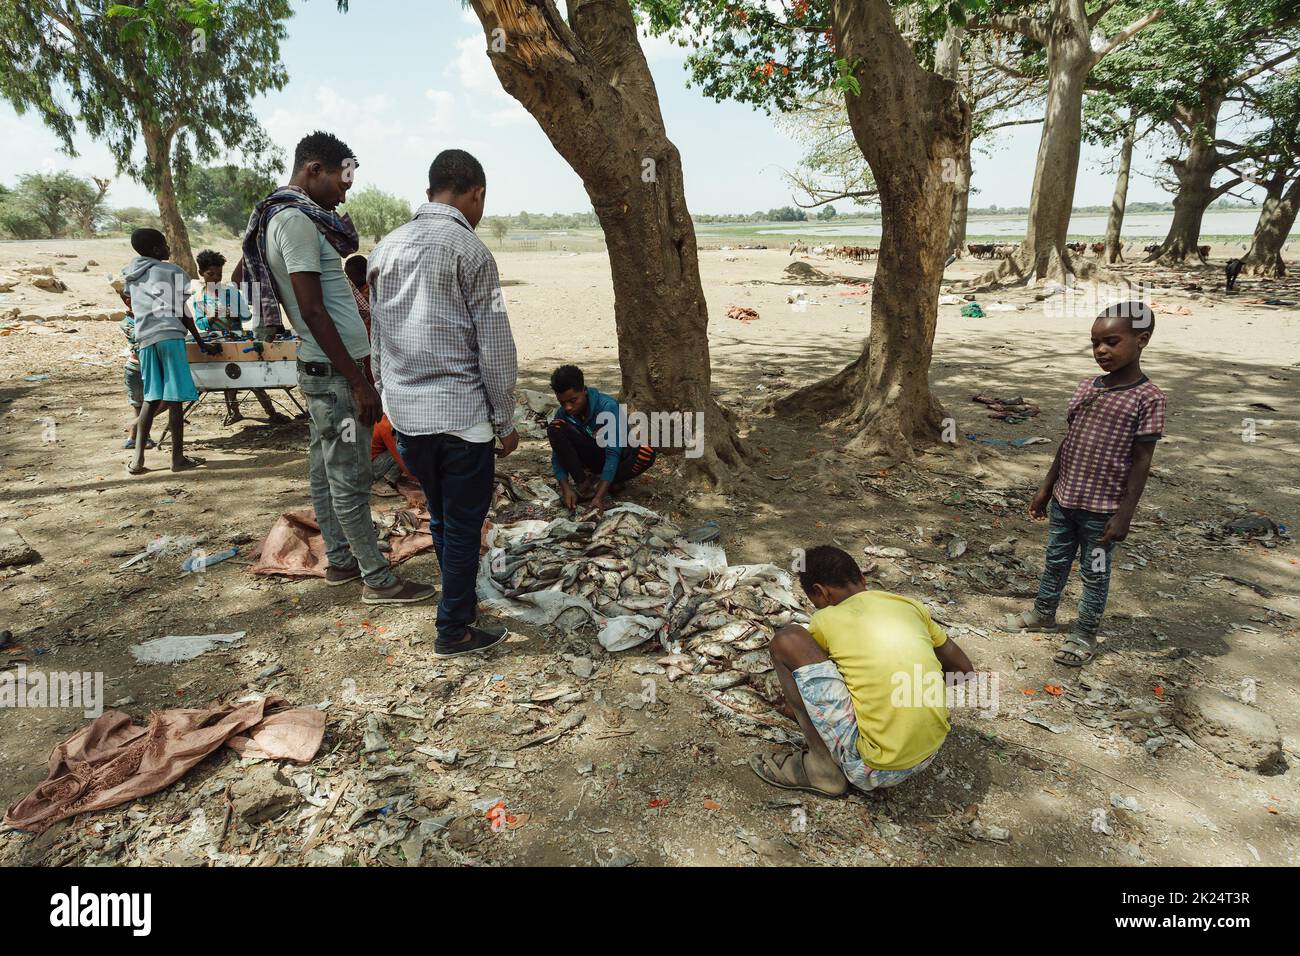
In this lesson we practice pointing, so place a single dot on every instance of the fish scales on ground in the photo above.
(634, 576)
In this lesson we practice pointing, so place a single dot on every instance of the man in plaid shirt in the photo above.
(444, 363)
(1092, 489)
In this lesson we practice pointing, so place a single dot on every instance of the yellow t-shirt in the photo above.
(883, 644)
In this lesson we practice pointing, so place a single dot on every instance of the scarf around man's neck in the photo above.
(337, 230)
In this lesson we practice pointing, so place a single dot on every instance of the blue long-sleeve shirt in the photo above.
(605, 423)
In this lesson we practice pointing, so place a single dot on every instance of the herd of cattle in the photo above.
(856, 253)
(979, 250)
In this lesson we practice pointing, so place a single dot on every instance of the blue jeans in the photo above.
(457, 477)
(340, 478)
(1071, 532)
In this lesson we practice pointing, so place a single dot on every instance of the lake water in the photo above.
(1218, 222)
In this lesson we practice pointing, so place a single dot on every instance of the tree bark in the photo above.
(947, 61)
(1066, 38)
(1195, 174)
(911, 126)
(1069, 61)
(587, 84)
(1115, 220)
(1276, 217)
(158, 151)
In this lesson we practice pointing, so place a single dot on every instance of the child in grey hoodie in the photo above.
(157, 290)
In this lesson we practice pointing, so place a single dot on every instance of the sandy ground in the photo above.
(666, 782)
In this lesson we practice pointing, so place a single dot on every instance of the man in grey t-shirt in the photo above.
(307, 273)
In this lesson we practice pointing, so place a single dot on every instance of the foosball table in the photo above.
(243, 364)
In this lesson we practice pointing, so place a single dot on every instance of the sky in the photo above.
(400, 80)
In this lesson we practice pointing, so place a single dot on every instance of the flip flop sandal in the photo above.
(785, 769)
(1076, 651)
(1028, 621)
(187, 463)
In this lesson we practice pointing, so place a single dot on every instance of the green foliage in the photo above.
(787, 214)
(755, 52)
(132, 72)
(827, 213)
(224, 195)
(126, 220)
(1193, 54)
(51, 206)
(376, 213)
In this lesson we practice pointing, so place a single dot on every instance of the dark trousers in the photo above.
(580, 454)
(457, 477)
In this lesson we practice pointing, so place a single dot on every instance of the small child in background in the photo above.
(156, 289)
(1092, 489)
(220, 307)
(131, 371)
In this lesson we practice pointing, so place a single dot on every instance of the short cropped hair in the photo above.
(828, 566)
(1139, 315)
(325, 148)
(146, 241)
(457, 171)
(567, 377)
(208, 258)
(355, 268)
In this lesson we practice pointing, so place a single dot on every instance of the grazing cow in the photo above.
(798, 247)
(1231, 271)
(1098, 248)
(1078, 247)
(1153, 248)
(1203, 251)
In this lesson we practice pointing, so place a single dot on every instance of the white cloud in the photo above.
(473, 71)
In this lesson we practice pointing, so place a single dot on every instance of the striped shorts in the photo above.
(827, 700)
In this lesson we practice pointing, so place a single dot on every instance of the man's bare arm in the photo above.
(311, 304)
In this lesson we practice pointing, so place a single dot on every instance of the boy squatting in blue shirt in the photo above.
(584, 433)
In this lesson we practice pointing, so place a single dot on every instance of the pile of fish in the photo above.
(635, 577)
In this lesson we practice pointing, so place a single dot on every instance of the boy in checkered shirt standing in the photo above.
(1092, 489)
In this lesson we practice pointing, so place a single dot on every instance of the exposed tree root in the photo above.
(882, 424)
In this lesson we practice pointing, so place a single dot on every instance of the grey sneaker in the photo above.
(336, 576)
(402, 592)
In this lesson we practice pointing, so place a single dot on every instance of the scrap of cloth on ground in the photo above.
(294, 546)
(111, 760)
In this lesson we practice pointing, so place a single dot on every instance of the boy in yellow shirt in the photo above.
(841, 677)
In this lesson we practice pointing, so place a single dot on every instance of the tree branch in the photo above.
(1127, 34)
(1095, 17)
(1016, 122)
(1029, 27)
(1254, 71)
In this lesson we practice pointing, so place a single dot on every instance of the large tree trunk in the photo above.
(947, 63)
(1195, 173)
(158, 151)
(1070, 58)
(1069, 61)
(1276, 217)
(1115, 220)
(587, 84)
(911, 126)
